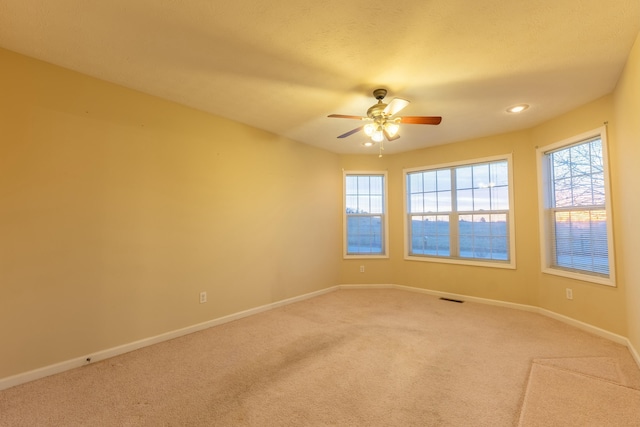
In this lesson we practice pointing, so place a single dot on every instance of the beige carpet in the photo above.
(347, 358)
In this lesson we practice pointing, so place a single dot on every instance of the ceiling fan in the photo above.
(381, 123)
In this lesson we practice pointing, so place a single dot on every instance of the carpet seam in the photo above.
(524, 406)
(582, 374)
(523, 399)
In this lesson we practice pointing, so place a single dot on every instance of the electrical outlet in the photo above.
(362, 269)
(569, 293)
(203, 297)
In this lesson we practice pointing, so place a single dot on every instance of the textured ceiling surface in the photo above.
(284, 65)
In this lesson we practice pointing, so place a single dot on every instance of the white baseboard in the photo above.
(468, 298)
(115, 351)
(379, 286)
(126, 348)
(634, 352)
(586, 327)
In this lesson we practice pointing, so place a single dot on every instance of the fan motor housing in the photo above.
(377, 110)
(379, 94)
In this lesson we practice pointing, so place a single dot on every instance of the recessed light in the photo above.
(367, 143)
(517, 108)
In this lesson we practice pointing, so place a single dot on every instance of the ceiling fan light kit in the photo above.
(381, 124)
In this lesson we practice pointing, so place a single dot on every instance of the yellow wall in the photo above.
(598, 305)
(518, 286)
(118, 208)
(627, 196)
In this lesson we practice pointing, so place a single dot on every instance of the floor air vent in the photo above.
(452, 300)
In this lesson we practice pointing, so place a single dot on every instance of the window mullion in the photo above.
(454, 223)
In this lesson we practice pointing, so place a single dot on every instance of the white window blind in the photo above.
(576, 230)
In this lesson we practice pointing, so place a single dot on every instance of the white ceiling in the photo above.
(284, 65)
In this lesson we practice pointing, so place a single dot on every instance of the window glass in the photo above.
(475, 228)
(430, 235)
(576, 237)
(365, 220)
(464, 177)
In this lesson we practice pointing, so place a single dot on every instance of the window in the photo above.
(365, 214)
(575, 217)
(460, 213)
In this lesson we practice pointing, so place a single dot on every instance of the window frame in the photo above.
(508, 264)
(385, 216)
(545, 206)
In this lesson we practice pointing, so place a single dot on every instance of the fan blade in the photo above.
(395, 106)
(351, 132)
(389, 137)
(342, 116)
(421, 120)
